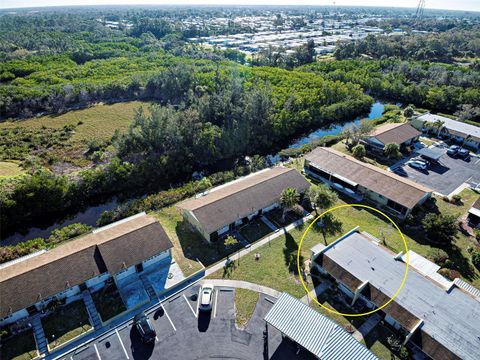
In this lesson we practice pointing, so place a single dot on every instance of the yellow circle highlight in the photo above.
(404, 243)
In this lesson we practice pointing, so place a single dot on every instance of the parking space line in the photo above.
(96, 350)
(121, 343)
(215, 304)
(190, 306)
(168, 317)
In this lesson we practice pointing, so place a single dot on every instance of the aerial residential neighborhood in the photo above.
(281, 181)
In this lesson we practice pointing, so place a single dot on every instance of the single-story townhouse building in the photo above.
(116, 250)
(467, 134)
(402, 134)
(474, 213)
(225, 207)
(438, 316)
(365, 181)
(313, 331)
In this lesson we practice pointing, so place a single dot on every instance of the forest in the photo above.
(208, 110)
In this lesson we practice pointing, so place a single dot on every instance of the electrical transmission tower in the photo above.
(420, 9)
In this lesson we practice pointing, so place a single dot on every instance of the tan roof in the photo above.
(396, 133)
(119, 245)
(385, 183)
(233, 201)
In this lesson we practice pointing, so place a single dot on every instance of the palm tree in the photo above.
(288, 199)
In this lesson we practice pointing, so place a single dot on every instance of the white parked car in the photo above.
(417, 164)
(206, 297)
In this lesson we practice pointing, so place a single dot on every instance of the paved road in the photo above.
(185, 333)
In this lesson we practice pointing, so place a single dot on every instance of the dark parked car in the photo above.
(144, 328)
(463, 153)
(452, 150)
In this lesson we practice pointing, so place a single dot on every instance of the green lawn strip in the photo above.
(188, 245)
(19, 347)
(255, 230)
(245, 302)
(108, 302)
(66, 323)
(10, 169)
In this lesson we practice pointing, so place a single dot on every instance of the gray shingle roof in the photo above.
(314, 331)
(233, 201)
(385, 183)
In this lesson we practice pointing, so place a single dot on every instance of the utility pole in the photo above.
(420, 9)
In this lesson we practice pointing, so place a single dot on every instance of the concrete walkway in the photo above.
(266, 240)
(243, 285)
(367, 326)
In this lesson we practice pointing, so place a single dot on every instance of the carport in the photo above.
(433, 154)
(313, 331)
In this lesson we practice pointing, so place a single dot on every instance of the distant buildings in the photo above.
(360, 181)
(224, 208)
(466, 134)
(438, 317)
(114, 251)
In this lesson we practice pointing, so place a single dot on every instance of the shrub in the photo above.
(476, 232)
(392, 151)
(439, 257)
(440, 228)
(359, 151)
(476, 258)
(449, 274)
(457, 199)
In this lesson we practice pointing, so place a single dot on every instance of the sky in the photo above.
(433, 4)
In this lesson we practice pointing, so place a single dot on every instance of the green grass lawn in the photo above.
(108, 302)
(19, 347)
(99, 121)
(255, 230)
(188, 245)
(245, 302)
(10, 169)
(66, 323)
(377, 342)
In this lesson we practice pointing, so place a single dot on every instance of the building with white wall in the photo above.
(223, 208)
(28, 284)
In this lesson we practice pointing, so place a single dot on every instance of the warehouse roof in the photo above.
(110, 249)
(315, 332)
(237, 199)
(447, 315)
(385, 183)
(396, 133)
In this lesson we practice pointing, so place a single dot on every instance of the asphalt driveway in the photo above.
(185, 333)
(446, 176)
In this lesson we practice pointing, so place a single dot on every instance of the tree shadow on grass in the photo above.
(290, 254)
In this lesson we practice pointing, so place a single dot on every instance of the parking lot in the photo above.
(446, 176)
(183, 332)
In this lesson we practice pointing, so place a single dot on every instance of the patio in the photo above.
(163, 275)
(132, 291)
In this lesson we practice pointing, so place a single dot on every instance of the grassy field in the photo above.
(245, 302)
(99, 121)
(19, 347)
(68, 153)
(66, 323)
(10, 169)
